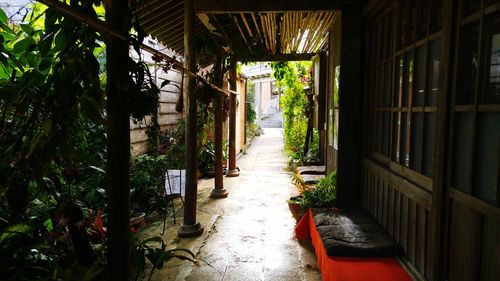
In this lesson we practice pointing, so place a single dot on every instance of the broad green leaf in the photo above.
(182, 250)
(34, 144)
(97, 169)
(3, 17)
(8, 36)
(44, 64)
(61, 41)
(23, 45)
(46, 127)
(152, 239)
(14, 230)
(48, 224)
(27, 28)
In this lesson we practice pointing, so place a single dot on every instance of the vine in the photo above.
(295, 78)
(52, 142)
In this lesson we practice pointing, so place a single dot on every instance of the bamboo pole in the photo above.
(246, 24)
(324, 32)
(300, 25)
(256, 26)
(296, 30)
(270, 32)
(291, 33)
(235, 20)
(272, 25)
(286, 31)
(307, 20)
(315, 27)
(262, 20)
(320, 36)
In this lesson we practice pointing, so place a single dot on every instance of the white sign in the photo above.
(175, 180)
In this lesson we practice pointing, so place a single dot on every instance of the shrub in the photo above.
(324, 194)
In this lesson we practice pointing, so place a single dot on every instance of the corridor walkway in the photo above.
(274, 120)
(251, 237)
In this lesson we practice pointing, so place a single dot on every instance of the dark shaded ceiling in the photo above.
(249, 33)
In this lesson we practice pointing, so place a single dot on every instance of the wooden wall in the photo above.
(168, 118)
(402, 208)
(240, 115)
(333, 61)
(431, 153)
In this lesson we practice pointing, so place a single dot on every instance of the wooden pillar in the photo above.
(257, 94)
(244, 104)
(437, 235)
(322, 106)
(349, 154)
(218, 191)
(190, 227)
(233, 171)
(118, 143)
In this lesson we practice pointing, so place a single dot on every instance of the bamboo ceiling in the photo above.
(286, 33)
(249, 34)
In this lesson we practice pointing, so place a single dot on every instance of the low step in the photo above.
(311, 170)
(311, 179)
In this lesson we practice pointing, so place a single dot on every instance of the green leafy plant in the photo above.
(324, 194)
(297, 180)
(146, 180)
(157, 256)
(293, 78)
(206, 158)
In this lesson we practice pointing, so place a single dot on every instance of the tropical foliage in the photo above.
(323, 194)
(53, 148)
(296, 80)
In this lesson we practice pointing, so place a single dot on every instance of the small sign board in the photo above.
(175, 181)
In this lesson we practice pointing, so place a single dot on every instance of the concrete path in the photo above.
(274, 120)
(253, 237)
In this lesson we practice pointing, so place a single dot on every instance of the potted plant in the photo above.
(294, 204)
(323, 194)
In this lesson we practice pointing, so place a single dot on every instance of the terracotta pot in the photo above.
(296, 210)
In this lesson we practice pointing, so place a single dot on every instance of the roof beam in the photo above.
(266, 6)
(278, 57)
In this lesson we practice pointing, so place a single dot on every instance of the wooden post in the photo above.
(349, 154)
(322, 106)
(233, 171)
(190, 227)
(437, 235)
(257, 93)
(244, 104)
(118, 143)
(218, 191)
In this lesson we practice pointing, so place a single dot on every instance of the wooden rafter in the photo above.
(255, 23)
(287, 33)
(246, 24)
(249, 6)
(278, 57)
(235, 20)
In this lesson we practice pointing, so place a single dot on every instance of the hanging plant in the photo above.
(206, 94)
(144, 97)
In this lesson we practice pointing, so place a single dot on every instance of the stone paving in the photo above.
(274, 120)
(249, 235)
